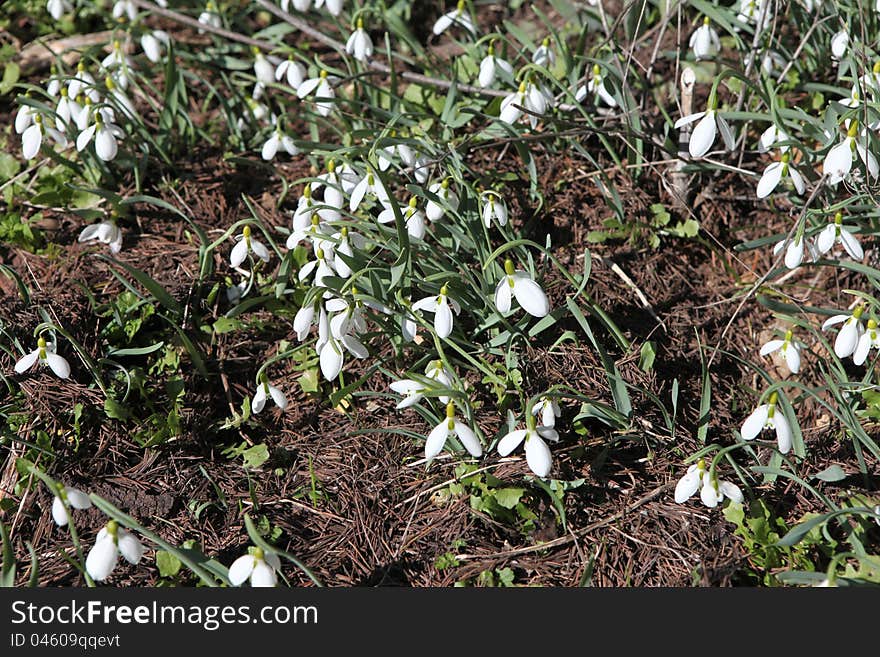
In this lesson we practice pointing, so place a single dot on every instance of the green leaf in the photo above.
(255, 456)
(309, 380)
(115, 410)
(168, 564)
(646, 358)
(830, 474)
(9, 166)
(509, 497)
(10, 77)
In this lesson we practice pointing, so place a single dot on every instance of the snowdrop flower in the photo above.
(57, 8)
(117, 97)
(322, 89)
(293, 71)
(258, 567)
(836, 233)
(775, 172)
(537, 452)
(794, 252)
(712, 490)
(106, 232)
(263, 69)
(118, 63)
(493, 208)
(66, 111)
(789, 349)
(704, 41)
(32, 138)
(544, 56)
(347, 242)
(450, 427)
(330, 349)
(870, 338)
(112, 541)
(751, 11)
(839, 44)
(153, 43)
(491, 66)
(528, 96)
(549, 410)
(305, 318)
(299, 5)
(457, 16)
(105, 135)
(210, 17)
(596, 86)
(838, 163)
(519, 285)
(772, 136)
(336, 182)
(435, 211)
(703, 135)
(333, 6)
(125, 7)
(766, 416)
(44, 354)
(69, 497)
(412, 216)
(24, 118)
(359, 44)
(413, 390)
(321, 267)
(849, 335)
(442, 307)
(265, 390)
(368, 186)
(247, 244)
(83, 82)
(278, 139)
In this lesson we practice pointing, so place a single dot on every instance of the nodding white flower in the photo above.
(368, 186)
(771, 137)
(112, 541)
(322, 89)
(493, 208)
(836, 233)
(118, 64)
(305, 319)
(321, 267)
(544, 55)
(105, 135)
(359, 44)
(66, 111)
(519, 285)
(330, 349)
(24, 118)
(596, 86)
(796, 249)
(337, 182)
(839, 44)
(549, 410)
(775, 172)
(125, 7)
(333, 6)
(106, 232)
(435, 211)
(414, 218)
(278, 139)
(347, 242)
(457, 16)
(790, 350)
(712, 490)
(442, 306)
(263, 69)
(421, 169)
(703, 135)
(767, 416)
(258, 567)
(247, 244)
(57, 8)
(32, 138)
(83, 82)
(153, 43)
(870, 338)
(537, 452)
(839, 160)
(491, 66)
(533, 98)
(293, 71)
(69, 497)
(849, 335)
(299, 5)
(450, 427)
(771, 62)
(413, 390)
(44, 354)
(264, 391)
(210, 17)
(313, 230)
(752, 11)
(117, 97)
(349, 317)
(704, 41)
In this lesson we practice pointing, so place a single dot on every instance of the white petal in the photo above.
(307, 87)
(487, 71)
(436, 439)
(851, 244)
(794, 254)
(755, 422)
(838, 162)
(105, 144)
(731, 491)
(278, 397)
(259, 250)
(130, 547)
(703, 136)
(27, 361)
(270, 148)
(530, 295)
(793, 358)
(860, 355)
(428, 303)
(825, 240)
(687, 486)
(538, 455)
(263, 575)
(355, 346)
(239, 253)
(259, 402)
(85, 137)
(783, 432)
(77, 499)
(771, 346)
(468, 439)
(101, 559)
(503, 295)
(241, 569)
(442, 23)
(797, 179)
(709, 495)
(331, 360)
(511, 441)
(59, 513)
(443, 320)
(690, 118)
(847, 339)
(770, 179)
(726, 133)
(58, 365)
(30, 142)
(836, 319)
